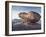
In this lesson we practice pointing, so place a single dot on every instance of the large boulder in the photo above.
(31, 17)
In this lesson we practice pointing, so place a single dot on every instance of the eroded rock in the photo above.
(31, 17)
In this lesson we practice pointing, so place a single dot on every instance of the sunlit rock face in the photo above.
(31, 17)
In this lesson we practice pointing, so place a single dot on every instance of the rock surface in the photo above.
(29, 21)
(18, 25)
(31, 16)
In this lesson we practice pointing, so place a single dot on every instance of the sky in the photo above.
(17, 9)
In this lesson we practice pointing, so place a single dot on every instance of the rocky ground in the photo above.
(17, 25)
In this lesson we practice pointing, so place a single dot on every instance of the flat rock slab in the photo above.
(17, 26)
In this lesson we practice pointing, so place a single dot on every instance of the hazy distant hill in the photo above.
(16, 21)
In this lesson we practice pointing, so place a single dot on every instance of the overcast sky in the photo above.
(17, 9)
